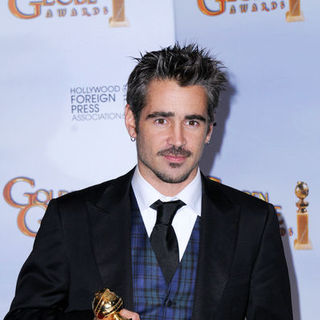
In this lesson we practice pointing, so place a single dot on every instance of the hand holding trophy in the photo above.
(106, 305)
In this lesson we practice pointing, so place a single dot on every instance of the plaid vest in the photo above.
(153, 298)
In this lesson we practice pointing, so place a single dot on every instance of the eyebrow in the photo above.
(171, 114)
(160, 114)
(195, 117)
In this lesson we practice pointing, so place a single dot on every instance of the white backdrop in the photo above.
(268, 135)
(62, 83)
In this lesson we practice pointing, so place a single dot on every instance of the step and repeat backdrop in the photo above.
(267, 138)
(64, 67)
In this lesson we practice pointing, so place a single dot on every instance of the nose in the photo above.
(177, 136)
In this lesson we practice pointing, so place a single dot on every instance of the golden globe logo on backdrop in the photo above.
(218, 7)
(68, 8)
(36, 199)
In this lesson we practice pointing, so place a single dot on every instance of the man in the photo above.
(204, 251)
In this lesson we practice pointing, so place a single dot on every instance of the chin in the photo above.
(173, 178)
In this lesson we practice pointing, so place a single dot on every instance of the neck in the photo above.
(166, 188)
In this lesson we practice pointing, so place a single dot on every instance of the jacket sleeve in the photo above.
(42, 286)
(269, 297)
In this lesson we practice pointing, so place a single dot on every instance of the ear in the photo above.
(130, 122)
(209, 133)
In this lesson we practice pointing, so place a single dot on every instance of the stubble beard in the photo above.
(162, 175)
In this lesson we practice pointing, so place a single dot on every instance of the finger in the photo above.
(129, 314)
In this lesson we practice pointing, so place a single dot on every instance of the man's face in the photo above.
(173, 128)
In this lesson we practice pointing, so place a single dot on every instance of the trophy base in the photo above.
(115, 23)
(302, 246)
(291, 18)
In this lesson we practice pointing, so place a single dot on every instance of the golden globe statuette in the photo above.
(294, 14)
(106, 305)
(302, 242)
(118, 18)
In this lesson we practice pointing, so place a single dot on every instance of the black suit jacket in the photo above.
(83, 245)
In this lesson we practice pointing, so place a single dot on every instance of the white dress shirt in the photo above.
(185, 217)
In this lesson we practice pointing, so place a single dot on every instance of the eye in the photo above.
(192, 123)
(160, 121)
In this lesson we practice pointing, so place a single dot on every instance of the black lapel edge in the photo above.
(110, 222)
(219, 226)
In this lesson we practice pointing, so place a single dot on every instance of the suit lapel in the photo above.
(218, 231)
(110, 219)
(110, 225)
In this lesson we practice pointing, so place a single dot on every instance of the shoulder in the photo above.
(252, 213)
(95, 192)
(222, 193)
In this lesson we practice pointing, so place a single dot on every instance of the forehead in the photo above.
(169, 96)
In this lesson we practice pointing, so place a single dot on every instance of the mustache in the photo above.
(174, 151)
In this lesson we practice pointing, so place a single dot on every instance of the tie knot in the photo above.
(166, 210)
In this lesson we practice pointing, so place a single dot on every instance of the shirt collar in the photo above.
(146, 194)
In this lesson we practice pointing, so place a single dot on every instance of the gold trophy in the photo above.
(294, 14)
(118, 18)
(106, 305)
(302, 242)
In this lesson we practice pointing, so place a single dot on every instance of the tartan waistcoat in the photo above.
(154, 299)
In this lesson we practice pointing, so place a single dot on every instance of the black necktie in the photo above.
(163, 238)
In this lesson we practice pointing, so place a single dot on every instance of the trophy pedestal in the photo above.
(118, 23)
(294, 18)
(302, 242)
(302, 246)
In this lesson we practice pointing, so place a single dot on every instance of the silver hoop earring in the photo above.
(132, 139)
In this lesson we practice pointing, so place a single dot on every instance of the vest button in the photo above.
(169, 303)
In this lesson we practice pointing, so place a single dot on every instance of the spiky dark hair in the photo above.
(188, 65)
